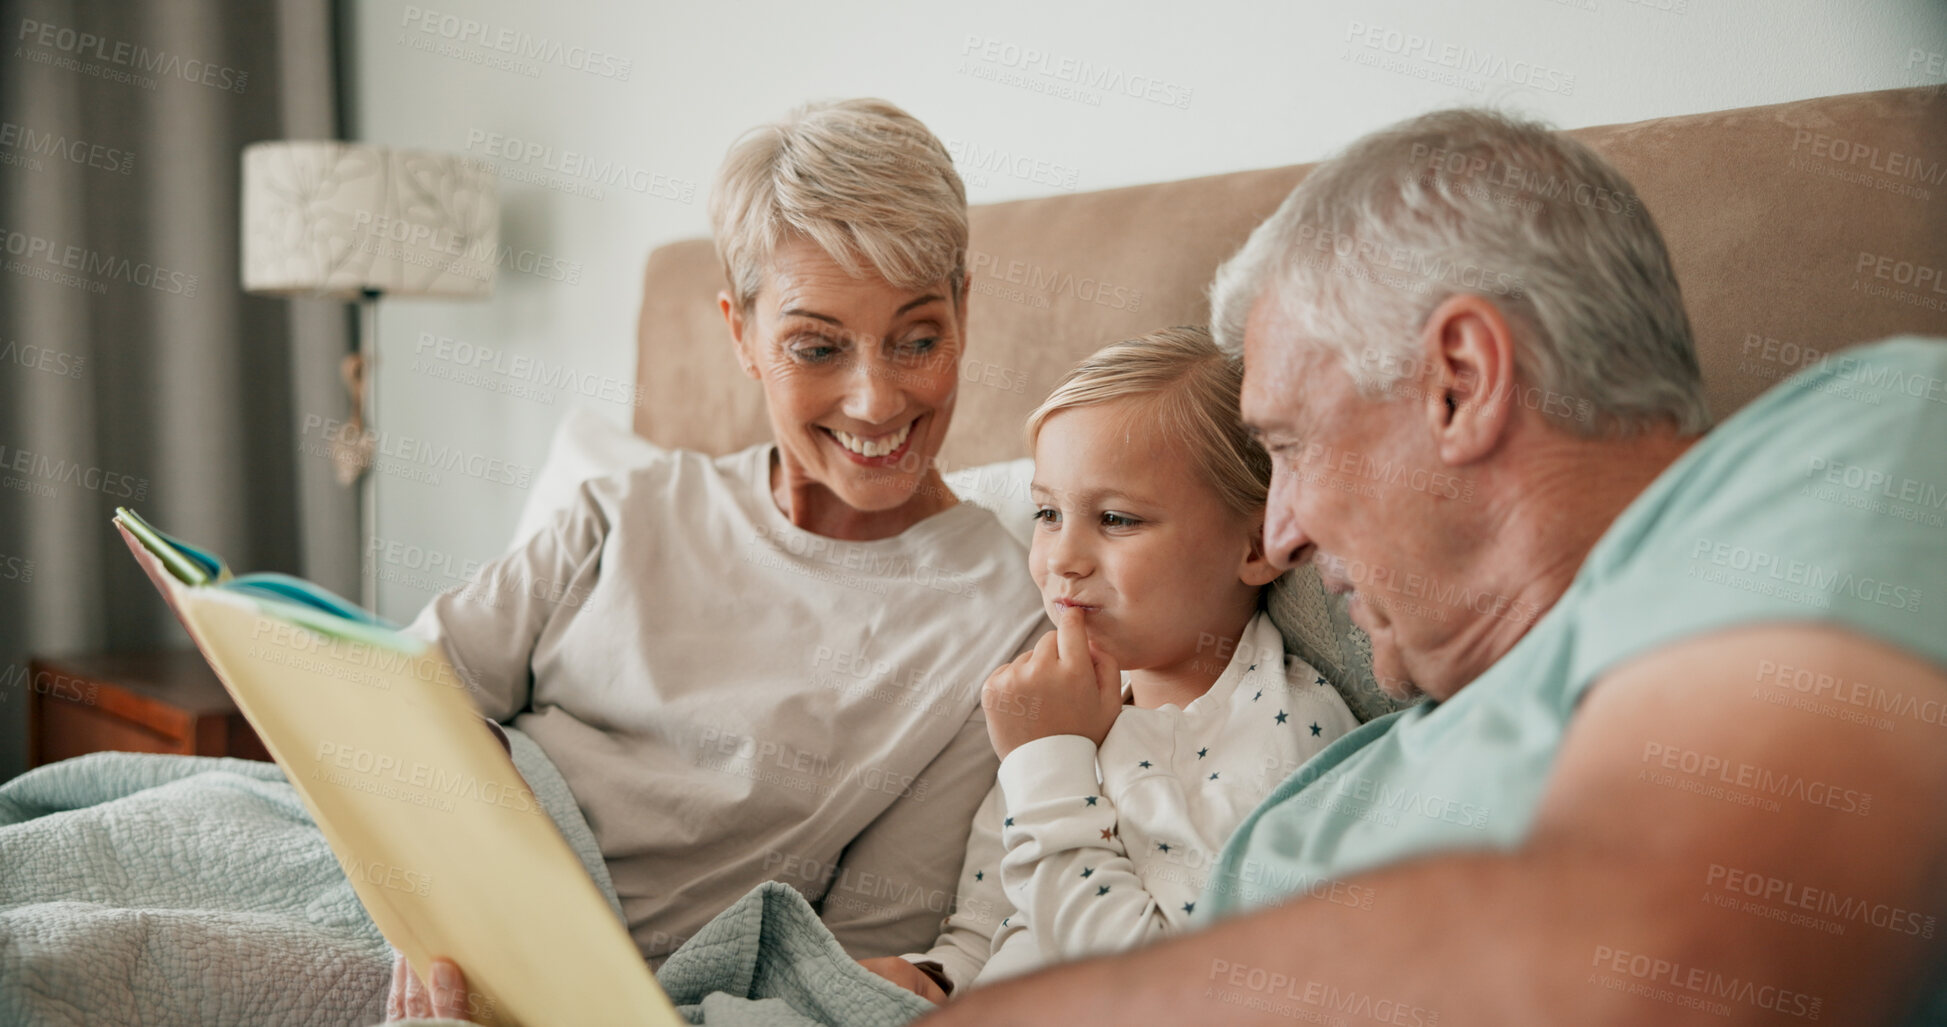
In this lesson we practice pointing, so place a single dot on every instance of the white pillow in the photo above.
(1003, 489)
(586, 445)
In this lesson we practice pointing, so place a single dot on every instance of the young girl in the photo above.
(1136, 736)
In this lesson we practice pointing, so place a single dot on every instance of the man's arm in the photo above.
(1621, 908)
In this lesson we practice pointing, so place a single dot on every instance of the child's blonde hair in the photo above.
(1190, 389)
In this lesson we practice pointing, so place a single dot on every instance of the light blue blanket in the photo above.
(188, 890)
(768, 961)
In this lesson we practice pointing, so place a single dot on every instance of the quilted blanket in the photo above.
(768, 961)
(188, 890)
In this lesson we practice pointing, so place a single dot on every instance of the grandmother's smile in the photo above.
(873, 450)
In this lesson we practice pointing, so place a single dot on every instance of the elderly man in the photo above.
(1682, 757)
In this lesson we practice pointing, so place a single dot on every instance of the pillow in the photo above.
(586, 445)
(1318, 630)
(1003, 489)
(1315, 625)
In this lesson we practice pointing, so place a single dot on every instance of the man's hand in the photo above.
(907, 976)
(1063, 686)
(411, 999)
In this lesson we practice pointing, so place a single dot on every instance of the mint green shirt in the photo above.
(1824, 500)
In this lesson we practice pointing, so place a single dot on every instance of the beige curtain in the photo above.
(133, 369)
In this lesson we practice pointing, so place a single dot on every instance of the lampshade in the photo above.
(337, 220)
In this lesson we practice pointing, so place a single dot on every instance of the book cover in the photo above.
(447, 848)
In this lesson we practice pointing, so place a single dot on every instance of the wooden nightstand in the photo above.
(132, 702)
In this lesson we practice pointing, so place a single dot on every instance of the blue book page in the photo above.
(272, 585)
(282, 595)
(303, 608)
(211, 563)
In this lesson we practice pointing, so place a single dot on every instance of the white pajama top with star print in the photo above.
(1079, 851)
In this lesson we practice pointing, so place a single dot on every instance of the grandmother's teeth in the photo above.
(879, 447)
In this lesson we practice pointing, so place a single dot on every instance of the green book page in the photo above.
(281, 595)
(190, 565)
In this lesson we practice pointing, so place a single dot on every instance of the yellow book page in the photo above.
(449, 851)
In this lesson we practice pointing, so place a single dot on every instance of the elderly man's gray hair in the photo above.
(1470, 201)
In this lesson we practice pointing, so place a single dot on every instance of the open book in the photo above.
(448, 849)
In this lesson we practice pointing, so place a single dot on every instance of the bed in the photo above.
(184, 890)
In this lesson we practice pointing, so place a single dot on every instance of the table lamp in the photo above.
(354, 222)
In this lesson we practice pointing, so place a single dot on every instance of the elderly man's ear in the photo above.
(1470, 386)
(734, 319)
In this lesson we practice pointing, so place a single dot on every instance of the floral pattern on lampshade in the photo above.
(336, 219)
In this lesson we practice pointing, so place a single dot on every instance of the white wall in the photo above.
(1228, 84)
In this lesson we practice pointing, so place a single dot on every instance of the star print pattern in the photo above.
(1089, 863)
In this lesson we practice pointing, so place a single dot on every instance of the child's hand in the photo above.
(907, 976)
(1063, 686)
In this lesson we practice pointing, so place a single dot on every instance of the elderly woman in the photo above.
(767, 665)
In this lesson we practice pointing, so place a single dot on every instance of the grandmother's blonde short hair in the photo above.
(1189, 389)
(861, 178)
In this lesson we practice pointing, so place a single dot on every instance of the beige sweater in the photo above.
(734, 700)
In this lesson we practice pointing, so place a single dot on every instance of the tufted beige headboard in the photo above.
(1796, 229)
